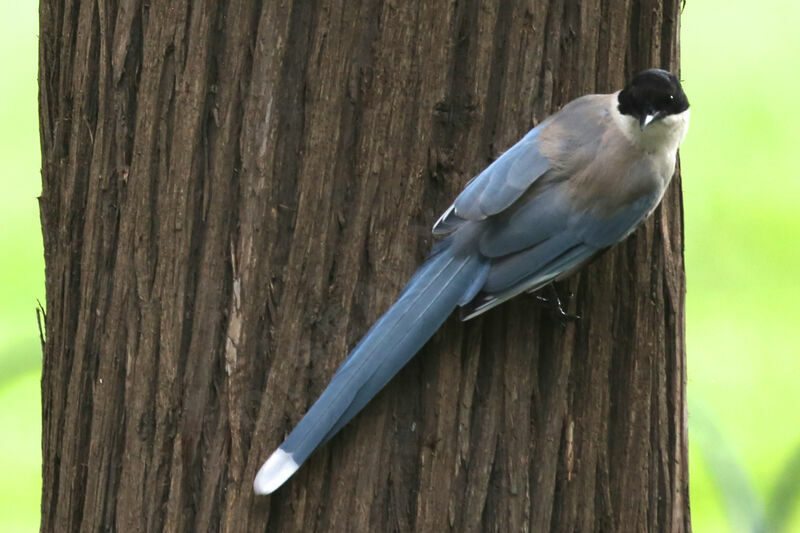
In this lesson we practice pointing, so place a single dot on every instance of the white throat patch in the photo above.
(662, 134)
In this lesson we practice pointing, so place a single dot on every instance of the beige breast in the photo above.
(605, 167)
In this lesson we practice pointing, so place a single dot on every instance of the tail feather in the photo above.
(425, 303)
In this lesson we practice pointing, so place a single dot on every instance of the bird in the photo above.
(579, 182)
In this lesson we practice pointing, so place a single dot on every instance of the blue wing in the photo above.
(557, 242)
(499, 185)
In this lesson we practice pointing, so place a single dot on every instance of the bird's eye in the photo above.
(671, 97)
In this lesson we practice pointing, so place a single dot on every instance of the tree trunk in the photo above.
(234, 192)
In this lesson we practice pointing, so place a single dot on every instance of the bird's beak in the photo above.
(646, 119)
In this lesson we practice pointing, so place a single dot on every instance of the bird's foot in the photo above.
(552, 301)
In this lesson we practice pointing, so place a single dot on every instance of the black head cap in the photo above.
(654, 93)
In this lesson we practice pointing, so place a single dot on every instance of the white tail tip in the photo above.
(279, 467)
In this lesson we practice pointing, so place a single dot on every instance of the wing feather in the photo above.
(499, 185)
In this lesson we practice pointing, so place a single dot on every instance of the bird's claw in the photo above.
(553, 302)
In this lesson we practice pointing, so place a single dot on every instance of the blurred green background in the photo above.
(742, 202)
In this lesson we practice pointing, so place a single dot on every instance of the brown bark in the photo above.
(233, 192)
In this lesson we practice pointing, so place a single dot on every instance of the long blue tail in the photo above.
(444, 281)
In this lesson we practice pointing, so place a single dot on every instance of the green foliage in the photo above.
(21, 271)
(742, 251)
(745, 510)
(741, 194)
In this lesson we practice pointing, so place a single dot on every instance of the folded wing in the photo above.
(499, 186)
(560, 241)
